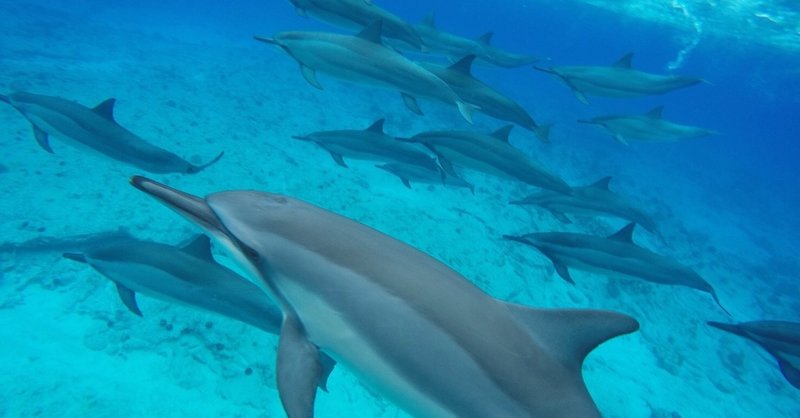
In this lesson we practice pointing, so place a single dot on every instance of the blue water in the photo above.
(189, 77)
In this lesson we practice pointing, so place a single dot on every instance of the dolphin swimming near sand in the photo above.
(358, 14)
(649, 127)
(364, 59)
(780, 338)
(95, 129)
(595, 199)
(615, 255)
(488, 100)
(411, 328)
(489, 153)
(408, 173)
(619, 80)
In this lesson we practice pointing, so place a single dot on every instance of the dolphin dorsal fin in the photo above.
(464, 65)
(372, 32)
(429, 20)
(376, 126)
(199, 246)
(106, 109)
(625, 234)
(502, 133)
(602, 183)
(655, 112)
(625, 61)
(486, 38)
(571, 334)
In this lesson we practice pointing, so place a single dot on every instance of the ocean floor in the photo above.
(71, 349)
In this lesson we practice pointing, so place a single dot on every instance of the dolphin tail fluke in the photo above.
(543, 132)
(5, 99)
(466, 110)
(75, 257)
(198, 168)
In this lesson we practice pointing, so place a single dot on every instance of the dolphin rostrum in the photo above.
(410, 327)
(779, 338)
(619, 80)
(96, 130)
(364, 59)
(595, 199)
(649, 127)
(488, 100)
(490, 153)
(615, 255)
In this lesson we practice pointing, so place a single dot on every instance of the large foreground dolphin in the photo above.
(619, 80)
(595, 199)
(364, 59)
(648, 127)
(358, 14)
(490, 153)
(410, 327)
(488, 100)
(96, 130)
(779, 338)
(615, 255)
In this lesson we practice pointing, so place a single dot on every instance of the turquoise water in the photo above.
(189, 77)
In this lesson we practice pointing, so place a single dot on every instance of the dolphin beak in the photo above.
(190, 207)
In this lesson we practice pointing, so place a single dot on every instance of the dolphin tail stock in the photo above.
(198, 168)
(75, 257)
(5, 99)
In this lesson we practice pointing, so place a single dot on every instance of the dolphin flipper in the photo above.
(338, 158)
(411, 103)
(562, 271)
(327, 368)
(42, 139)
(791, 373)
(128, 298)
(561, 216)
(310, 75)
(299, 370)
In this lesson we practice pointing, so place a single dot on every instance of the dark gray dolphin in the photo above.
(619, 80)
(488, 100)
(490, 153)
(595, 199)
(649, 127)
(410, 327)
(615, 255)
(779, 338)
(95, 129)
(408, 173)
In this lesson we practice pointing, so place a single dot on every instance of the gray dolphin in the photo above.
(779, 338)
(648, 127)
(423, 174)
(96, 130)
(615, 255)
(410, 327)
(358, 14)
(595, 199)
(619, 80)
(488, 100)
(364, 59)
(490, 153)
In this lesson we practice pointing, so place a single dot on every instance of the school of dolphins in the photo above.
(341, 294)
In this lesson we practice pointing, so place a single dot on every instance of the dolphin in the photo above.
(369, 144)
(423, 174)
(488, 100)
(779, 338)
(595, 199)
(648, 127)
(490, 153)
(619, 80)
(188, 275)
(79, 242)
(358, 14)
(364, 59)
(615, 255)
(410, 327)
(95, 129)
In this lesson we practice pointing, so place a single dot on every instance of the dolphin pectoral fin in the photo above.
(299, 370)
(338, 158)
(411, 103)
(621, 139)
(580, 96)
(301, 12)
(466, 110)
(128, 298)
(405, 182)
(561, 216)
(42, 139)
(790, 372)
(310, 75)
(563, 271)
(327, 364)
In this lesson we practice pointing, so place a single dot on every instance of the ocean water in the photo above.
(188, 77)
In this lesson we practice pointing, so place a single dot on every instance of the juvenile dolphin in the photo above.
(369, 144)
(779, 338)
(595, 199)
(615, 255)
(488, 100)
(648, 127)
(96, 130)
(490, 153)
(619, 80)
(410, 327)
(73, 243)
(358, 14)
(408, 173)
(364, 59)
